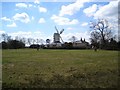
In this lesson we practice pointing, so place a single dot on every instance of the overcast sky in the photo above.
(37, 19)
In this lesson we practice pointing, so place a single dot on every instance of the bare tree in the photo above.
(33, 41)
(17, 38)
(95, 37)
(73, 39)
(29, 41)
(101, 31)
(9, 38)
(23, 40)
(42, 41)
(4, 37)
(37, 41)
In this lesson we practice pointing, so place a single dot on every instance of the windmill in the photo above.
(57, 36)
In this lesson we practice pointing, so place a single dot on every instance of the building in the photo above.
(56, 38)
(81, 44)
(78, 44)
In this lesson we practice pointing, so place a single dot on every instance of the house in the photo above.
(81, 44)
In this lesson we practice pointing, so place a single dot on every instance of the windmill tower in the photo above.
(57, 36)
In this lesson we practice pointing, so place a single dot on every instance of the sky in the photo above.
(37, 18)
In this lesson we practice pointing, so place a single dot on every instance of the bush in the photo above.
(13, 44)
(4, 45)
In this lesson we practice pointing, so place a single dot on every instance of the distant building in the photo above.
(55, 45)
(81, 44)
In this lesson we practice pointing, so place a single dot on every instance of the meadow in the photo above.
(29, 68)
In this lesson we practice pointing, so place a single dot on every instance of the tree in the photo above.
(37, 41)
(73, 39)
(48, 42)
(42, 41)
(14, 44)
(23, 40)
(29, 41)
(101, 32)
(95, 39)
(4, 45)
(6, 37)
(68, 45)
(113, 45)
(33, 41)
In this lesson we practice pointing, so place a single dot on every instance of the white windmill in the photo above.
(57, 36)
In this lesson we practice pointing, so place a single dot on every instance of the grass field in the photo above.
(29, 68)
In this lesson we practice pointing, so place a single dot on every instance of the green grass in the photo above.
(59, 68)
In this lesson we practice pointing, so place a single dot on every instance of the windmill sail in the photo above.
(61, 39)
(56, 29)
(61, 31)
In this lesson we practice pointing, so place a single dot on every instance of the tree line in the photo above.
(9, 43)
(18, 42)
(101, 35)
